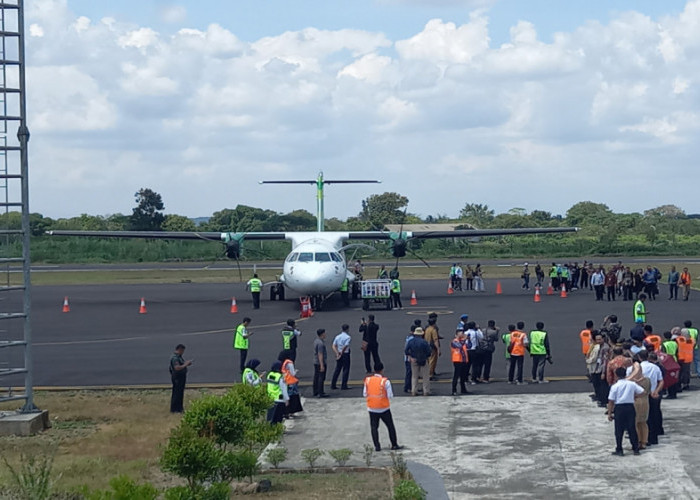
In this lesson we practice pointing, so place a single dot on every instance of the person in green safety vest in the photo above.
(640, 310)
(539, 352)
(255, 285)
(554, 276)
(277, 390)
(382, 274)
(251, 375)
(241, 342)
(289, 338)
(396, 293)
(506, 342)
(670, 347)
(344, 287)
(693, 334)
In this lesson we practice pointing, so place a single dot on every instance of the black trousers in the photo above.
(599, 289)
(385, 417)
(516, 360)
(244, 356)
(601, 388)
(486, 361)
(407, 380)
(372, 350)
(462, 374)
(477, 363)
(319, 379)
(178, 395)
(673, 291)
(343, 363)
(396, 298)
(655, 420)
(611, 292)
(625, 417)
(256, 300)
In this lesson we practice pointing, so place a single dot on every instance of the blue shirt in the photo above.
(342, 341)
(649, 277)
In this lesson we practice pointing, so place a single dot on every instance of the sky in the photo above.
(508, 103)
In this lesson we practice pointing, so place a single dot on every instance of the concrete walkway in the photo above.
(515, 446)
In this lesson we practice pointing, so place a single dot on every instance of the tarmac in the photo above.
(548, 446)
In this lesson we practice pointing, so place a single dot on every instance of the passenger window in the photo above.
(323, 257)
(306, 257)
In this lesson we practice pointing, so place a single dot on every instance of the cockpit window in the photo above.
(336, 257)
(293, 257)
(322, 257)
(306, 257)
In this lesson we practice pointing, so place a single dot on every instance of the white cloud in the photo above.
(115, 106)
(173, 14)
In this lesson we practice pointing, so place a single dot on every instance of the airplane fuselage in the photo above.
(315, 266)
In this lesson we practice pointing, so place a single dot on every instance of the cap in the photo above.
(464, 316)
(418, 331)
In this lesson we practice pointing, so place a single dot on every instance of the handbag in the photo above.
(363, 345)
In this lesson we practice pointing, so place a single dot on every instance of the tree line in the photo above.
(663, 230)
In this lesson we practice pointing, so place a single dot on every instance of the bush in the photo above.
(311, 455)
(238, 465)
(276, 456)
(408, 489)
(368, 454)
(398, 464)
(123, 488)
(191, 456)
(217, 491)
(341, 456)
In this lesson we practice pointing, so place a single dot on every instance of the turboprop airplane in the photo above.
(316, 267)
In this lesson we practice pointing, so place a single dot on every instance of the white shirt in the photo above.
(651, 371)
(623, 391)
(342, 340)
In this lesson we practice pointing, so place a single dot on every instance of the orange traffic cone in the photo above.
(234, 306)
(142, 309)
(450, 291)
(499, 290)
(414, 300)
(550, 290)
(537, 294)
(563, 292)
(66, 307)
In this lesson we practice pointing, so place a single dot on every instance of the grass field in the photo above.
(97, 435)
(157, 276)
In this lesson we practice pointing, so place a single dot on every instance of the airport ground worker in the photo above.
(378, 393)
(539, 352)
(396, 293)
(255, 285)
(516, 347)
(241, 341)
(693, 333)
(640, 309)
(277, 391)
(460, 357)
(289, 338)
(250, 373)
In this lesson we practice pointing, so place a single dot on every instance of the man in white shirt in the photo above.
(341, 348)
(621, 405)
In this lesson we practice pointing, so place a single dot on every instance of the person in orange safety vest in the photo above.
(378, 394)
(460, 360)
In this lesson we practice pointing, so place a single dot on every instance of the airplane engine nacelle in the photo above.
(233, 249)
(398, 249)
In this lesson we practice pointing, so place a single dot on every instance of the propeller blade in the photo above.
(418, 257)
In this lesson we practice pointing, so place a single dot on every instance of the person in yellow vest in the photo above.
(460, 359)
(640, 309)
(291, 378)
(670, 347)
(693, 334)
(251, 375)
(255, 285)
(289, 338)
(539, 352)
(396, 293)
(378, 393)
(517, 347)
(506, 341)
(241, 342)
(685, 357)
(344, 291)
(277, 391)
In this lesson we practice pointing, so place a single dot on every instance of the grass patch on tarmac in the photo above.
(98, 435)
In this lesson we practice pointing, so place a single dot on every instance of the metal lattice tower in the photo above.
(15, 286)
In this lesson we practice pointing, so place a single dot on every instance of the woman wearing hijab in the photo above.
(290, 378)
(277, 390)
(250, 373)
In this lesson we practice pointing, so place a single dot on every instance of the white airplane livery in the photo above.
(317, 265)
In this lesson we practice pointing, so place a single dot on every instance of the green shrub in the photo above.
(276, 456)
(341, 456)
(311, 455)
(398, 464)
(237, 465)
(217, 491)
(408, 489)
(190, 456)
(124, 488)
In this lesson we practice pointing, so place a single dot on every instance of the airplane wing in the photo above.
(461, 233)
(173, 235)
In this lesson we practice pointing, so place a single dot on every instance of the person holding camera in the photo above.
(370, 344)
(178, 375)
